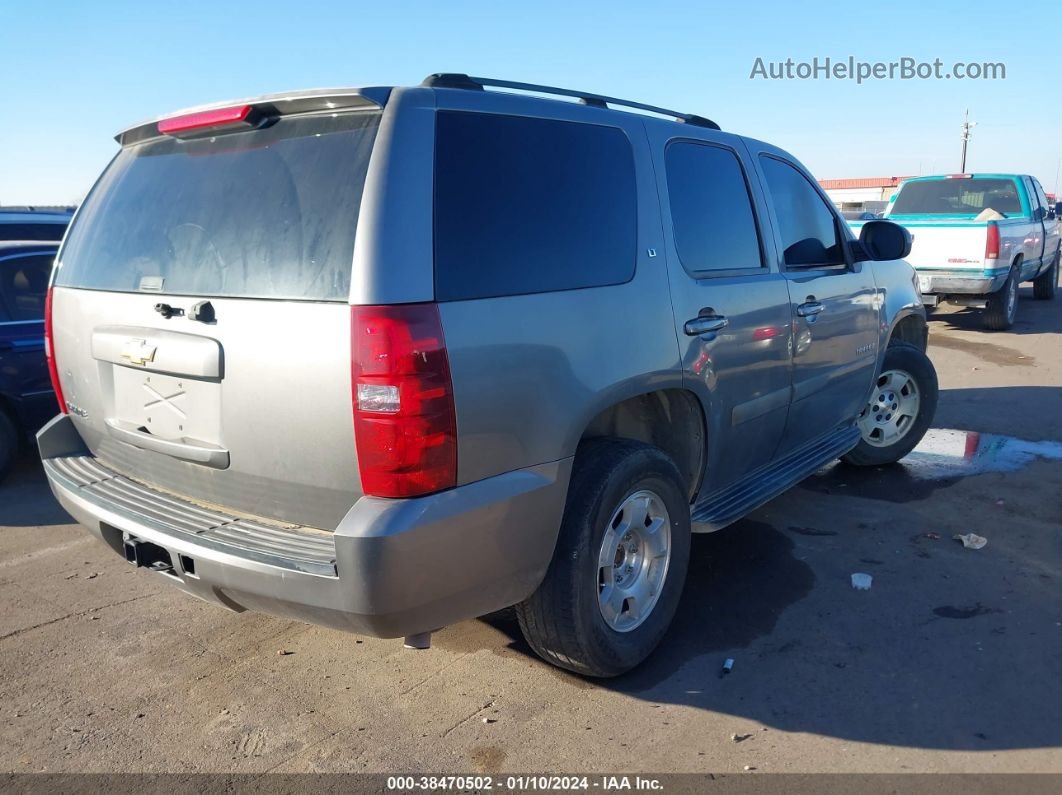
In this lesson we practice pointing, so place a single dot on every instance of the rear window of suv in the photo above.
(269, 213)
(527, 205)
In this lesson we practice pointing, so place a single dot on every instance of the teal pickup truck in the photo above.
(977, 237)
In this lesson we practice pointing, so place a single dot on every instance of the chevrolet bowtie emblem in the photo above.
(138, 351)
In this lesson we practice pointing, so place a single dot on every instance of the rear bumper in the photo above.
(959, 282)
(392, 567)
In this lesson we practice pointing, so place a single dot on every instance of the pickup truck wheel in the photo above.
(1046, 283)
(620, 563)
(8, 444)
(1002, 306)
(900, 410)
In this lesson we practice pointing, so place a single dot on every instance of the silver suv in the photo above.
(386, 359)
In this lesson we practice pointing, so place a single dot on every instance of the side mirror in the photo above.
(884, 240)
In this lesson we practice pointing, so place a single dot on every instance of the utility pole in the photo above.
(967, 125)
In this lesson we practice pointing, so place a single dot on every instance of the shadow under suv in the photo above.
(385, 359)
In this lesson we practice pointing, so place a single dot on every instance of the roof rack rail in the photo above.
(456, 80)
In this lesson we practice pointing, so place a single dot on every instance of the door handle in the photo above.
(705, 324)
(809, 309)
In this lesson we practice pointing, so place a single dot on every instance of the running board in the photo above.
(715, 511)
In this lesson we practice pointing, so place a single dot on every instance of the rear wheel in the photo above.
(1046, 283)
(620, 563)
(8, 443)
(1002, 305)
(900, 410)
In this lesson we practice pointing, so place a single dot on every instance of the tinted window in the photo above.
(268, 213)
(32, 231)
(530, 205)
(711, 210)
(23, 285)
(958, 197)
(806, 223)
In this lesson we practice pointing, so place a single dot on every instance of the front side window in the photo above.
(527, 205)
(806, 223)
(711, 210)
(1041, 197)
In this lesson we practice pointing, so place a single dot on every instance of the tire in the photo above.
(911, 363)
(8, 444)
(1046, 283)
(1002, 305)
(564, 620)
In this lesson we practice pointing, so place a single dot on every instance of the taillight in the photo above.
(992, 246)
(49, 351)
(405, 428)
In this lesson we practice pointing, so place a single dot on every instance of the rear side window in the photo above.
(527, 205)
(18, 230)
(806, 224)
(711, 209)
(269, 213)
(23, 285)
(960, 196)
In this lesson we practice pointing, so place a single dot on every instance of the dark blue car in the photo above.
(26, 397)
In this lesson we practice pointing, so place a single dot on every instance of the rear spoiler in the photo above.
(270, 106)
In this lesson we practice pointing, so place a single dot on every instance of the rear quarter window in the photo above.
(527, 205)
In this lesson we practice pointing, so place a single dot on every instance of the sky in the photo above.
(74, 73)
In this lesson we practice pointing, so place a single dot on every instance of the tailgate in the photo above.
(947, 246)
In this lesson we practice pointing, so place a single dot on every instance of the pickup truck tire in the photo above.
(907, 383)
(8, 444)
(1002, 306)
(625, 531)
(1046, 283)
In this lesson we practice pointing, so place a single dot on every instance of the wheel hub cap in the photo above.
(633, 560)
(892, 410)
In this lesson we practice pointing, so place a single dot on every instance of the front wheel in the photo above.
(620, 562)
(900, 410)
(1046, 283)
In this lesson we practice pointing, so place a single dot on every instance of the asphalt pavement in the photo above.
(950, 662)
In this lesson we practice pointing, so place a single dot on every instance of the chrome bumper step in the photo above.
(288, 546)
